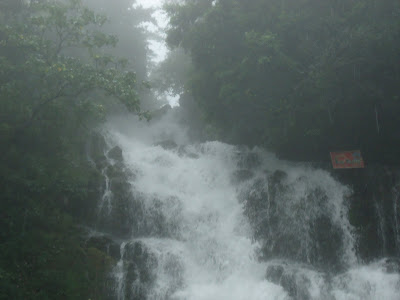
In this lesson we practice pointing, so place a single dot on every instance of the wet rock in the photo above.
(275, 273)
(116, 154)
(328, 245)
(293, 282)
(173, 266)
(101, 162)
(242, 175)
(139, 265)
(96, 145)
(249, 160)
(283, 219)
(183, 151)
(95, 148)
(277, 177)
(105, 244)
(162, 218)
(167, 144)
(297, 286)
(122, 214)
(392, 265)
(120, 211)
(118, 172)
(376, 192)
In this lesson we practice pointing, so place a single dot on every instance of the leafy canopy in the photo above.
(299, 77)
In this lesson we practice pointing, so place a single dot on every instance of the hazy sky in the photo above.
(150, 3)
(159, 48)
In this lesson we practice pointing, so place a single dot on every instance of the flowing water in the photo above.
(220, 222)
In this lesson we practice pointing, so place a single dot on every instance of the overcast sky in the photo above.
(159, 48)
(150, 3)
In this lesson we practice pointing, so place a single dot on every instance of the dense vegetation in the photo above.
(59, 74)
(300, 77)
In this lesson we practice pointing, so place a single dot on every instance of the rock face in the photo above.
(95, 148)
(138, 265)
(119, 211)
(105, 244)
(292, 225)
(373, 212)
(120, 215)
(296, 281)
(374, 209)
(116, 154)
(392, 265)
(167, 144)
(242, 175)
(137, 272)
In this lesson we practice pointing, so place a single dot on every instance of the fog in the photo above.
(274, 173)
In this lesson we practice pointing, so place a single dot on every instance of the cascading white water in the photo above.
(202, 243)
(396, 204)
(105, 202)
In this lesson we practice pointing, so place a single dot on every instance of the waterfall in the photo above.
(381, 223)
(107, 195)
(207, 221)
(396, 210)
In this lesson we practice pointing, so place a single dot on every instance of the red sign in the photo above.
(347, 159)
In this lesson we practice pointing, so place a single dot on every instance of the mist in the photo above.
(200, 150)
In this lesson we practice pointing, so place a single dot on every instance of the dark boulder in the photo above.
(116, 154)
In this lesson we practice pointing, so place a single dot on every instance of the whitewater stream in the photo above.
(221, 222)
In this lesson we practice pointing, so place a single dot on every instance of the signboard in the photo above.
(347, 159)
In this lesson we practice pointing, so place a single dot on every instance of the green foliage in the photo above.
(171, 74)
(36, 75)
(125, 21)
(309, 76)
(50, 101)
(48, 261)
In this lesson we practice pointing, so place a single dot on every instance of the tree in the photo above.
(171, 74)
(37, 75)
(56, 80)
(298, 77)
(125, 21)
